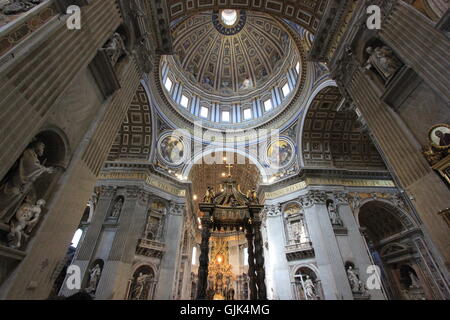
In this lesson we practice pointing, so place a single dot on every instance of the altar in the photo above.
(230, 210)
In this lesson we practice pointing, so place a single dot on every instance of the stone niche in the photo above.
(25, 193)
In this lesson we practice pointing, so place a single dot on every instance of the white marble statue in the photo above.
(24, 222)
(297, 232)
(310, 289)
(334, 215)
(141, 280)
(115, 48)
(414, 280)
(94, 277)
(353, 279)
(383, 60)
(117, 208)
(20, 181)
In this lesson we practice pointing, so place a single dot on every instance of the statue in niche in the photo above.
(298, 232)
(310, 289)
(24, 222)
(94, 277)
(18, 6)
(117, 209)
(383, 60)
(353, 279)
(19, 183)
(115, 48)
(333, 213)
(153, 228)
(140, 283)
(294, 232)
(414, 280)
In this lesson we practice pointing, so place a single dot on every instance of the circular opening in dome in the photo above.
(229, 17)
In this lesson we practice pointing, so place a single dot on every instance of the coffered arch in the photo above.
(333, 138)
(306, 13)
(135, 137)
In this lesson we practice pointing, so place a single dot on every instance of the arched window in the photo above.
(76, 238)
(194, 255)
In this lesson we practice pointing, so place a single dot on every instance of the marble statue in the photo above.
(24, 222)
(297, 232)
(309, 289)
(414, 280)
(252, 195)
(94, 277)
(353, 279)
(117, 208)
(209, 195)
(115, 48)
(334, 215)
(383, 60)
(18, 6)
(15, 188)
(140, 285)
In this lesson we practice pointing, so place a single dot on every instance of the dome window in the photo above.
(297, 67)
(226, 116)
(204, 112)
(268, 105)
(184, 101)
(286, 90)
(168, 84)
(229, 17)
(247, 114)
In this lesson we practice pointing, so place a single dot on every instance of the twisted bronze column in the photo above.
(259, 257)
(204, 261)
(251, 264)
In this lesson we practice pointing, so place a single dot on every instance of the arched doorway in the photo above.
(390, 234)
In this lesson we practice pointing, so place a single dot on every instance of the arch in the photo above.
(225, 150)
(301, 121)
(301, 275)
(142, 282)
(332, 138)
(408, 222)
(134, 139)
(310, 266)
(305, 15)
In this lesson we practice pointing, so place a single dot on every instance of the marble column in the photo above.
(276, 258)
(251, 263)
(331, 267)
(423, 47)
(357, 246)
(204, 261)
(171, 260)
(86, 251)
(118, 265)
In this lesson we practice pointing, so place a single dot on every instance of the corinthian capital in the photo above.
(176, 209)
(273, 210)
(313, 197)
